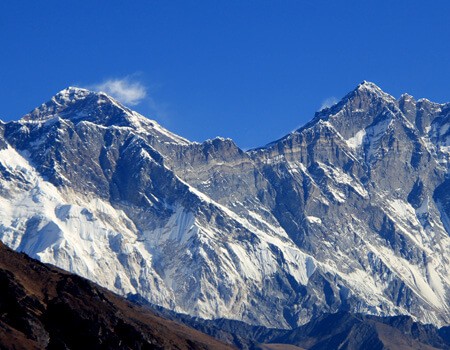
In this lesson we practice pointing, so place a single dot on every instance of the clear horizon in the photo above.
(250, 71)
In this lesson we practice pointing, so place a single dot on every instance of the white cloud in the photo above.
(126, 90)
(328, 102)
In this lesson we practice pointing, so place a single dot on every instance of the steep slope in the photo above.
(372, 203)
(44, 307)
(341, 330)
(347, 331)
(350, 212)
(99, 200)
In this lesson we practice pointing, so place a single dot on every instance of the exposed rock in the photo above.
(348, 213)
(42, 307)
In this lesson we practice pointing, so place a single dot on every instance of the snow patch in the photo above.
(314, 220)
(356, 141)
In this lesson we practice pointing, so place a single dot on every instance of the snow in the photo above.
(356, 141)
(299, 263)
(144, 125)
(341, 178)
(374, 134)
(91, 238)
(413, 277)
(186, 261)
(373, 88)
(314, 220)
(39, 220)
(179, 228)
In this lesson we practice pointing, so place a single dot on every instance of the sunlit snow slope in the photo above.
(350, 212)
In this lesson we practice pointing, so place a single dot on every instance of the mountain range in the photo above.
(349, 213)
(43, 307)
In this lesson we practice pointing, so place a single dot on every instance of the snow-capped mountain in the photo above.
(351, 212)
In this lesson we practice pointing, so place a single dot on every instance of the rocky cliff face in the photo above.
(45, 308)
(350, 212)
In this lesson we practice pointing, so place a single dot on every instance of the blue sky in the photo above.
(249, 70)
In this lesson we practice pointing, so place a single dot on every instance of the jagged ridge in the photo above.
(349, 212)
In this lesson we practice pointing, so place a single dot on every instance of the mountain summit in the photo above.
(76, 104)
(349, 213)
(367, 91)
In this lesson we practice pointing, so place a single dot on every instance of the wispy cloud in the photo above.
(127, 90)
(328, 102)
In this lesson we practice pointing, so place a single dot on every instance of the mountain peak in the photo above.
(73, 89)
(70, 95)
(78, 104)
(367, 91)
(368, 87)
(354, 107)
(73, 94)
(82, 105)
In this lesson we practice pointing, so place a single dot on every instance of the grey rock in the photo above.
(348, 213)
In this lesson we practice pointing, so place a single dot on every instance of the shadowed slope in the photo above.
(44, 307)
